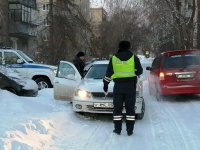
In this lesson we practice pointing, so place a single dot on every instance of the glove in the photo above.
(105, 88)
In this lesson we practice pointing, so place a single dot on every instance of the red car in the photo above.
(175, 72)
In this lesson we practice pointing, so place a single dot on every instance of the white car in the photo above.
(87, 94)
(42, 74)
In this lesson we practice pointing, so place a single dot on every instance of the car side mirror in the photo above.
(20, 61)
(70, 77)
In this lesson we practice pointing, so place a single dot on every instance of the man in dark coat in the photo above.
(79, 62)
(123, 69)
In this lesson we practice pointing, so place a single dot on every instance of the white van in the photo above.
(20, 62)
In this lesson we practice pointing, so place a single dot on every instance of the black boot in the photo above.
(118, 132)
(129, 132)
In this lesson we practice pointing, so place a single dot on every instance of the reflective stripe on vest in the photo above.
(123, 69)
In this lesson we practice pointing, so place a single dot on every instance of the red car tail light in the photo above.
(149, 78)
(162, 76)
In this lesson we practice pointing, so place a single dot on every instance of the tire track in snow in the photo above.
(160, 139)
(190, 140)
(156, 121)
(95, 141)
(164, 128)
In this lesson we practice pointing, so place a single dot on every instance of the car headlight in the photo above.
(54, 71)
(82, 93)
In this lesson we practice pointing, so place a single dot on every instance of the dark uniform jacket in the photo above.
(123, 55)
(80, 64)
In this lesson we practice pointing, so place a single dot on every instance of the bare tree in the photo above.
(4, 23)
(173, 23)
(67, 32)
(124, 22)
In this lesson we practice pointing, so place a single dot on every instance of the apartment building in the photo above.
(61, 21)
(23, 25)
(97, 16)
(4, 23)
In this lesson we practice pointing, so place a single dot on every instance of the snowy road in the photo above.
(43, 123)
(171, 124)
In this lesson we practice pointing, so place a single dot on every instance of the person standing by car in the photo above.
(123, 69)
(79, 62)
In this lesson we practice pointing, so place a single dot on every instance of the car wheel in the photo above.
(141, 115)
(43, 83)
(11, 90)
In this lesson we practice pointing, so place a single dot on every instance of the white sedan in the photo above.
(87, 94)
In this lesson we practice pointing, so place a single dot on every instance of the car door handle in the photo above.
(56, 81)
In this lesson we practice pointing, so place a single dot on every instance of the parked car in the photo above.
(42, 74)
(90, 63)
(87, 95)
(16, 83)
(175, 72)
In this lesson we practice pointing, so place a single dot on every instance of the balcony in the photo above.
(28, 3)
(24, 19)
(21, 29)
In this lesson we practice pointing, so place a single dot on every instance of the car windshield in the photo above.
(97, 71)
(181, 61)
(25, 57)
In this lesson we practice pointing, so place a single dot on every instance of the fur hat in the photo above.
(79, 54)
(124, 45)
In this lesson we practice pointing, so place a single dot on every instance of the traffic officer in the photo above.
(123, 69)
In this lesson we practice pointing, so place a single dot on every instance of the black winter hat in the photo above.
(124, 45)
(79, 54)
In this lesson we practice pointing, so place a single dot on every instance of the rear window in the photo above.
(181, 61)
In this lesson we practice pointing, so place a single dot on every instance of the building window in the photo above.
(14, 44)
(46, 37)
(46, 22)
(45, 7)
(26, 14)
(190, 5)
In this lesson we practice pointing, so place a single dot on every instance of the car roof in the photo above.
(179, 52)
(100, 62)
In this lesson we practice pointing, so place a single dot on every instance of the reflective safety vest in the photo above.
(123, 69)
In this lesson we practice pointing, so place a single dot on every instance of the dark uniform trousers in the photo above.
(124, 93)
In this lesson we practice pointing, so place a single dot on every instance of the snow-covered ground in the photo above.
(42, 123)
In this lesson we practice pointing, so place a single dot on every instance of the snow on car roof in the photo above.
(101, 62)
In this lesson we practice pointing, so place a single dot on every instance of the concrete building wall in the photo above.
(97, 16)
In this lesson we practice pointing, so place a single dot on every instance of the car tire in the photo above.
(141, 115)
(11, 90)
(43, 83)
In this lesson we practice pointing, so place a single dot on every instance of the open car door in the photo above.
(66, 81)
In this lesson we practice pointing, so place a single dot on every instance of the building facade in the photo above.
(97, 16)
(62, 28)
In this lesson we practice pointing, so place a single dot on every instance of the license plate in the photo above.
(183, 76)
(103, 105)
